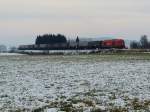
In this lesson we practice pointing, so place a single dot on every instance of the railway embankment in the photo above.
(85, 52)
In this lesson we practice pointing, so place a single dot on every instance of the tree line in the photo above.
(50, 39)
(143, 43)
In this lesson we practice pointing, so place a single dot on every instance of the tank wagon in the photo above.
(104, 44)
(61, 46)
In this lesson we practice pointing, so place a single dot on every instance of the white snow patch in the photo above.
(53, 110)
(10, 54)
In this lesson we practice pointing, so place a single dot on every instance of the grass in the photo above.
(107, 57)
(122, 56)
(136, 104)
(118, 109)
(68, 106)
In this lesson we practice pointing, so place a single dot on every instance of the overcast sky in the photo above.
(22, 20)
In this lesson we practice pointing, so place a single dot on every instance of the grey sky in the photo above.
(22, 20)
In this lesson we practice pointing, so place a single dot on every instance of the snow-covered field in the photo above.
(9, 54)
(28, 83)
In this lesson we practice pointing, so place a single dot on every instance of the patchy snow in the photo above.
(9, 54)
(119, 102)
(52, 110)
(33, 81)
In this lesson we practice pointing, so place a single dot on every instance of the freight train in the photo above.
(71, 45)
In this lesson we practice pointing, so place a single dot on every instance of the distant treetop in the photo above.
(50, 39)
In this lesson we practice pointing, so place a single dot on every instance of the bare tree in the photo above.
(144, 42)
(134, 45)
(77, 42)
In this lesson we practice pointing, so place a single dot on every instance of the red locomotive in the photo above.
(114, 43)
